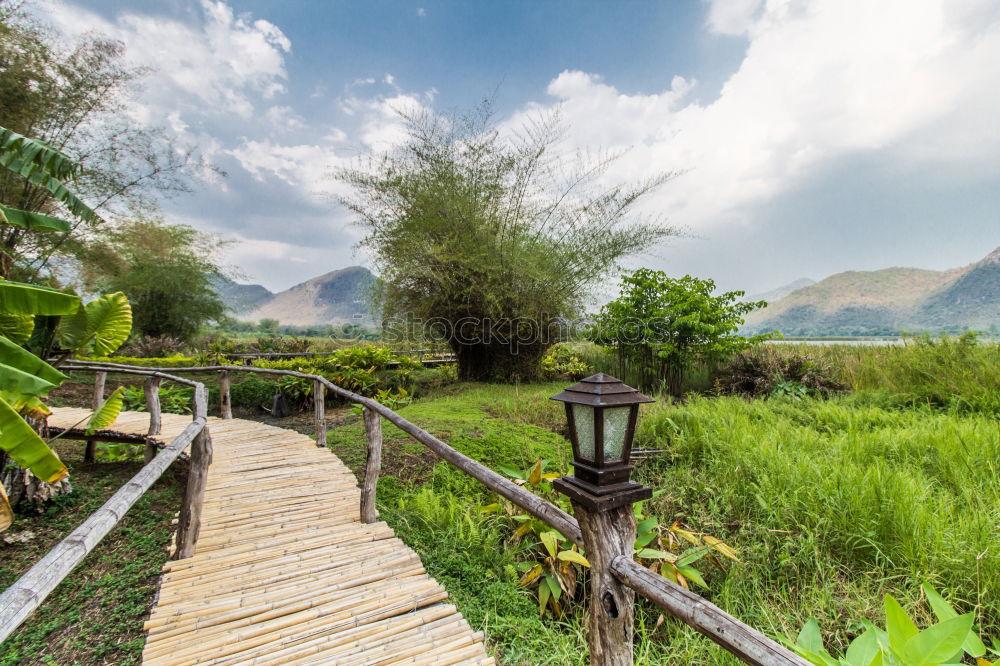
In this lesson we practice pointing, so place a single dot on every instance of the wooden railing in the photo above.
(29, 591)
(613, 568)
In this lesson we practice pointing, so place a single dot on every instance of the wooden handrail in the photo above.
(708, 619)
(28, 592)
(744, 642)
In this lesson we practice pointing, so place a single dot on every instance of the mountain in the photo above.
(240, 298)
(338, 297)
(780, 292)
(889, 301)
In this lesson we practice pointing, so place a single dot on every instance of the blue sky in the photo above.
(815, 136)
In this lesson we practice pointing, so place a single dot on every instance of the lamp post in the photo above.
(602, 412)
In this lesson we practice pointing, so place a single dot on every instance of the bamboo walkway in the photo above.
(284, 572)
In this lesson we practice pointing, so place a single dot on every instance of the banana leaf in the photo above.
(21, 359)
(26, 156)
(108, 412)
(29, 220)
(26, 448)
(17, 327)
(100, 326)
(20, 298)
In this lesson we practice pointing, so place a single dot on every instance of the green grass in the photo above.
(832, 504)
(95, 615)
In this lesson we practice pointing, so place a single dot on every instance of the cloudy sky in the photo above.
(814, 136)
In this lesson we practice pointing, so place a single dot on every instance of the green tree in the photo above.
(166, 270)
(489, 239)
(662, 326)
(75, 98)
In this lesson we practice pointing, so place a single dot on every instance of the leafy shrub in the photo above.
(766, 371)
(173, 399)
(298, 391)
(562, 362)
(946, 642)
(253, 393)
(153, 347)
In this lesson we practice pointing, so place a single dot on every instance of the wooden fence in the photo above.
(607, 539)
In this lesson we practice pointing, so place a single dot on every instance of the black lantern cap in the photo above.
(601, 390)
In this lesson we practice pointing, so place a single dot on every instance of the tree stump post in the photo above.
(189, 524)
(606, 535)
(225, 402)
(100, 379)
(151, 389)
(319, 400)
(373, 466)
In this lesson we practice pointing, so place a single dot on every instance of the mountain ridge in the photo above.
(889, 301)
(338, 297)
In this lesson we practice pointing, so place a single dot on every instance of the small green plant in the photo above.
(672, 551)
(554, 563)
(790, 389)
(901, 643)
(173, 399)
(562, 362)
(392, 399)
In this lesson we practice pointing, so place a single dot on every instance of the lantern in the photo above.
(602, 413)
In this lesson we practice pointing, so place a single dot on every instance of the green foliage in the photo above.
(901, 642)
(562, 362)
(165, 270)
(669, 325)
(99, 327)
(173, 399)
(27, 378)
(107, 412)
(253, 393)
(492, 238)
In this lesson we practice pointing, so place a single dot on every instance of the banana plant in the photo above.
(901, 643)
(101, 326)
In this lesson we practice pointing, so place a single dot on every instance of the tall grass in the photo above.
(833, 503)
(961, 374)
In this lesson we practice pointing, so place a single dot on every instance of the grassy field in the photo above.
(831, 503)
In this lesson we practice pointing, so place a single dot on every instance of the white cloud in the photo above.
(284, 118)
(819, 81)
(421, 12)
(220, 64)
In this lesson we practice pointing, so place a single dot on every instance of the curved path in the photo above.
(284, 572)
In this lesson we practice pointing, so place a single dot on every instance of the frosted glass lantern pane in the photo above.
(615, 427)
(583, 420)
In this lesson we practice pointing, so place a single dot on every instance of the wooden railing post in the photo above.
(373, 466)
(152, 390)
(225, 402)
(189, 524)
(607, 534)
(319, 401)
(100, 379)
